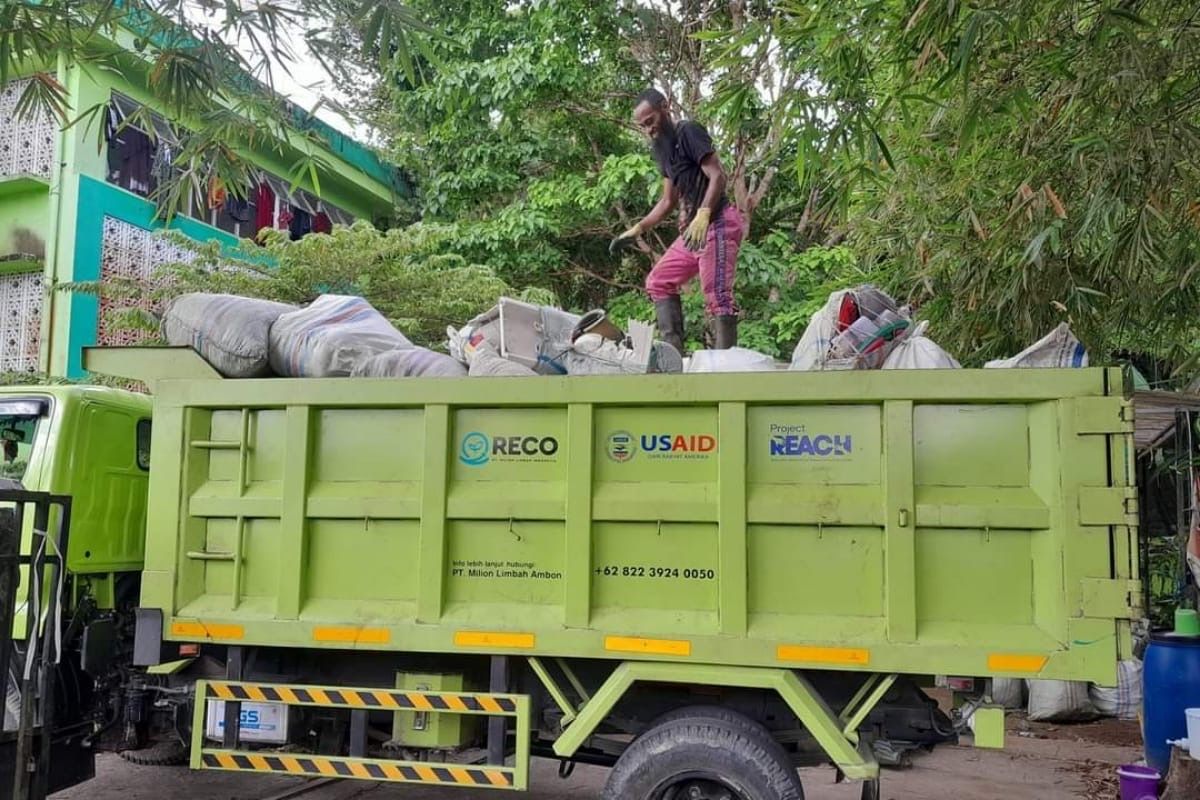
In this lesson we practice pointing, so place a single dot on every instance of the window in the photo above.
(143, 444)
(130, 161)
(19, 420)
(142, 149)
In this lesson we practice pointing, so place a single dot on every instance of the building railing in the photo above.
(26, 143)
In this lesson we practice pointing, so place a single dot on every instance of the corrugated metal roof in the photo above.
(1154, 415)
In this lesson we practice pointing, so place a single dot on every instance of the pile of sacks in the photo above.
(344, 336)
(334, 336)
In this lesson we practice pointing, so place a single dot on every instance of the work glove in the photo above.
(624, 239)
(697, 232)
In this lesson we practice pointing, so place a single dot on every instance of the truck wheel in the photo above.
(161, 754)
(726, 715)
(730, 717)
(704, 758)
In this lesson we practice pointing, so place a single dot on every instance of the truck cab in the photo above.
(93, 444)
(77, 458)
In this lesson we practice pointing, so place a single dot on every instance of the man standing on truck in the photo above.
(711, 228)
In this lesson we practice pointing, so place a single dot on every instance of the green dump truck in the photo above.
(93, 445)
(701, 580)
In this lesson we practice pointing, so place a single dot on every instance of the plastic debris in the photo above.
(735, 359)
(917, 351)
(1059, 348)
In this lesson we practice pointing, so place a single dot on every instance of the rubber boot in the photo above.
(670, 321)
(725, 331)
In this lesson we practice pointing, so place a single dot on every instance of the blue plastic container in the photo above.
(1171, 683)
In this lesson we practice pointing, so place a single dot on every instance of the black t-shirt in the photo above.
(679, 159)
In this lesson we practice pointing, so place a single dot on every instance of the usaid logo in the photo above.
(478, 448)
(793, 441)
(678, 443)
(622, 446)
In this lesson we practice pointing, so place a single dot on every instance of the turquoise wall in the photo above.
(102, 200)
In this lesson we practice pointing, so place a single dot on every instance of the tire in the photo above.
(870, 790)
(728, 716)
(726, 756)
(721, 713)
(162, 754)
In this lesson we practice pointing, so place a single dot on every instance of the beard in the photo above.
(664, 142)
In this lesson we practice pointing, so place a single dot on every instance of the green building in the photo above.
(71, 211)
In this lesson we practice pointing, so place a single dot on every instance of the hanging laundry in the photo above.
(136, 162)
(264, 207)
(301, 224)
(112, 121)
(285, 218)
(216, 192)
(238, 208)
(321, 223)
(163, 165)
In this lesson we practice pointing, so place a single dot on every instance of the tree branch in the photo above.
(579, 269)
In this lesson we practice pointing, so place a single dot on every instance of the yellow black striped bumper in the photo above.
(362, 768)
(383, 700)
(238, 757)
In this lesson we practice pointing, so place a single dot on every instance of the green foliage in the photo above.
(1162, 579)
(1016, 166)
(1002, 168)
(517, 139)
(405, 273)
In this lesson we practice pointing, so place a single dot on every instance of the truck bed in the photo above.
(970, 522)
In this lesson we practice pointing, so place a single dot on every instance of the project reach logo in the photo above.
(793, 441)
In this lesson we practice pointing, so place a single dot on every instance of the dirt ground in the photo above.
(1049, 762)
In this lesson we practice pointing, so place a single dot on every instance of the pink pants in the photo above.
(716, 263)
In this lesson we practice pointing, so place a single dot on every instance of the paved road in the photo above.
(1048, 769)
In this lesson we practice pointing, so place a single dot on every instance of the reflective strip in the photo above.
(363, 769)
(255, 694)
(1011, 662)
(222, 691)
(386, 700)
(352, 635)
(207, 630)
(823, 655)
(453, 702)
(520, 641)
(661, 647)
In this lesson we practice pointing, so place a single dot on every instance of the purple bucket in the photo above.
(1138, 783)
